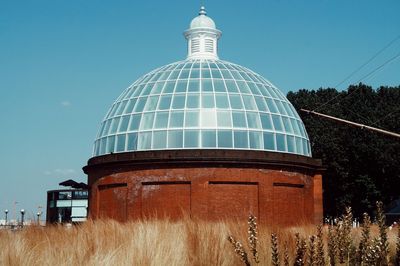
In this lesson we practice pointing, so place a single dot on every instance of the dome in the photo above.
(202, 21)
(202, 104)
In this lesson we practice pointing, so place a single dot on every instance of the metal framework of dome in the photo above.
(202, 103)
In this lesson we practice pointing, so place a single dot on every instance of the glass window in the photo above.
(243, 87)
(147, 121)
(123, 126)
(174, 74)
(193, 101)
(207, 100)
(209, 139)
(280, 142)
(144, 141)
(129, 108)
(208, 118)
(301, 127)
(261, 104)
(147, 89)
(266, 121)
(215, 74)
(241, 139)
(121, 107)
(165, 102)
(135, 122)
(249, 102)
(140, 104)
(288, 109)
(159, 139)
(277, 122)
(114, 125)
(253, 88)
(224, 119)
(164, 75)
(271, 105)
(178, 102)
(265, 91)
(184, 74)
(299, 148)
(306, 149)
(175, 138)
(236, 75)
(226, 74)
(253, 120)
(287, 125)
(222, 100)
(138, 90)
(161, 120)
(110, 144)
(231, 86)
(169, 87)
(132, 142)
(106, 127)
(219, 85)
(157, 88)
(176, 119)
(195, 73)
(269, 141)
(121, 142)
(192, 119)
(255, 138)
(194, 85)
(205, 73)
(225, 139)
(236, 101)
(192, 138)
(280, 107)
(206, 85)
(239, 119)
(103, 146)
(181, 86)
(290, 143)
(151, 104)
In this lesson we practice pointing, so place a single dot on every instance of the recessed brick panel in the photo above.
(288, 203)
(113, 201)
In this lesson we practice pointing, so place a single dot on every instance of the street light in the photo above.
(38, 217)
(22, 217)
(6, 212)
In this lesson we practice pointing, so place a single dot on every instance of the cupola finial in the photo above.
(202, 11)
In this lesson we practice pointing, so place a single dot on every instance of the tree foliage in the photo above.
(361, 166)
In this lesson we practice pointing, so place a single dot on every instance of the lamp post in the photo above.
(22, 217)
(6, 213)
(38, 217)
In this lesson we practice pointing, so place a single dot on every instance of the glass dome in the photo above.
(202, 104)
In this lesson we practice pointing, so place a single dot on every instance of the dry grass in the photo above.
(184, 242)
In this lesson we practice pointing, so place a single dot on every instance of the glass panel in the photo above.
(265, 91)
(208, 139)
(147, 89)
(215, 74)
(106, 127)
(287, 124)
(140, 105)
(181, 86)
(175, 138)
(231, 86)
(161, 120)
(208, 118)
(253, 120)
(224, 119)
(219, 85)
(110, 144)
(114, 125)
(159, 139)
(261, 104)
(205, 73)
(121, 142)
(195, 73)
(176, 119)
(207, 100)
(138, 91)
(192, 138)
(178, 102)
(184, 74)
(236, 101)
(269, 141)
(255, 138)
(121, 107)
(290, 143)
(151, 104)
(241, 139)
(222, 100)
(194, 85)
(266, 121)
(226, 74)
(169, 87)
(271, 106)
(206, 85)
(165, 102)
(129, 108)
(193, 101)
(144, 142)
(225, 139)
(249, 102)
(124, 123)
(280, 142)
(132, 142)
(253, 88)
(280, 107)
(243, 87)
(299, 148)
(239, 119)
(174, 74)
(192, 119)
(236, 75)
(147, 121)
(135, 122)
(277, 122)
(103, 144)
(288, 109)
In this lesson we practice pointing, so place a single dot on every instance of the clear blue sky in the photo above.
(62, 64)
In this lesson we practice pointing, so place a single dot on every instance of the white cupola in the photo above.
(202, 37)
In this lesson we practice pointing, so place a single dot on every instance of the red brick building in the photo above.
(205, 138)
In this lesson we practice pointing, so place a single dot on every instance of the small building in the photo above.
(393, 212)
(67, 205)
